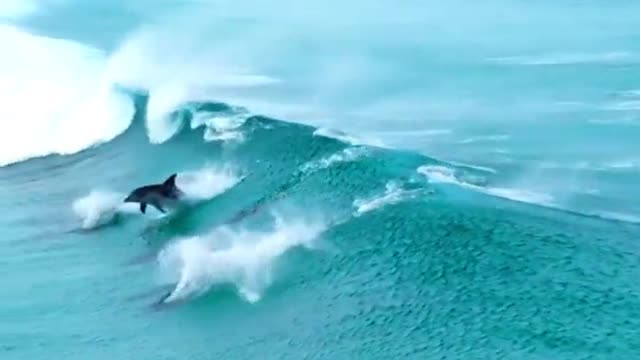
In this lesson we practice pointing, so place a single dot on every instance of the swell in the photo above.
(327, 239)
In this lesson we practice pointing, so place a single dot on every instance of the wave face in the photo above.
(359, 180)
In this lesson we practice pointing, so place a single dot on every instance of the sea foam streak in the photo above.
(394, 193)
(241, 257)
(345, 155)
(447, 175)
(100, 207)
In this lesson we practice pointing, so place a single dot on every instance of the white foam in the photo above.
(345, 155)
(54, 97)
(220, 127)
(443, 174)
(97, 208)
(240, 257)
(346, 138)
(394, 193)
(207, 182)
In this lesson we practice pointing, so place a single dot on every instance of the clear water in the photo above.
(363, 180)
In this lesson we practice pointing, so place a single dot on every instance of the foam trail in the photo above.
(243, 258)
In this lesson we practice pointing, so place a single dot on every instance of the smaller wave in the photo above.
(244, 258)
(346, 155)
(443, 174)
(394, 193)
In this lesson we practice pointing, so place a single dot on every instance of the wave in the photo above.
(55, 98)
(241, 257)
(100, 207)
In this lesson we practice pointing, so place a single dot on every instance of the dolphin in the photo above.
(156, 195)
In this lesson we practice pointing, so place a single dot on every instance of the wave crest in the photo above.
(55, 99)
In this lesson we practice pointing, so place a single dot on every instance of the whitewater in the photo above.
(361, 180)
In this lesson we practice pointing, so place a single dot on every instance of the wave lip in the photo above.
(244, 258)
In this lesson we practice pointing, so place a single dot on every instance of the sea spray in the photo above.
(243, 257)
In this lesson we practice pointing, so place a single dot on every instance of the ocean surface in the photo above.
(362, 180)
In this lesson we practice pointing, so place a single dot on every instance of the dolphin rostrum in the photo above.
(156, 195)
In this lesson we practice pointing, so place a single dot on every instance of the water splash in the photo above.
(241, 257)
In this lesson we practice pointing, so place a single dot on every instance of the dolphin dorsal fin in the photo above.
(170, 182)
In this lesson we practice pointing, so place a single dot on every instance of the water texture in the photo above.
(361, 180)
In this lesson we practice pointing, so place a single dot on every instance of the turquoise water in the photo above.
(441, 182)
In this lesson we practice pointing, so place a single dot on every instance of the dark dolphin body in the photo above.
(156, 195)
